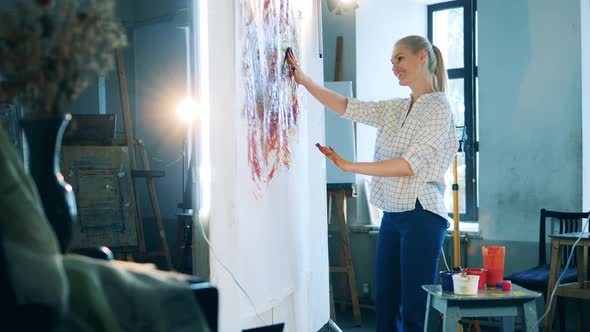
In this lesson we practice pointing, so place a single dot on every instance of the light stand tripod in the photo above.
(456, 235)
(188, 112)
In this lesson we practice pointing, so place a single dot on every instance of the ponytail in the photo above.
(439, 73)
(436, 64)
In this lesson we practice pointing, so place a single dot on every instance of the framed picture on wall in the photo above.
(10, 122)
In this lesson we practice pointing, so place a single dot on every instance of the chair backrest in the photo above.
(556, 222)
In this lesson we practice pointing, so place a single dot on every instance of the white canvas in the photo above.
(268, 236)
(340, 135)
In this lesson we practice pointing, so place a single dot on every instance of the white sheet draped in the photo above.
(274, 241)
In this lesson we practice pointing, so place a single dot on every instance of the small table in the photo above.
(579, 289)
(490, 302)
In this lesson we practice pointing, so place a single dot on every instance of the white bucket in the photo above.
(464, 284)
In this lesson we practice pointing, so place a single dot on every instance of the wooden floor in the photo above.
(345, 321)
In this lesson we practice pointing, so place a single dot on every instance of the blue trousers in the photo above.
(408, 250)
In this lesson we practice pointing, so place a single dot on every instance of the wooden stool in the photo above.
(338, 193)
(490, 302)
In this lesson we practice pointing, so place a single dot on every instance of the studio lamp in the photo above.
(342, 7)
(187, 110)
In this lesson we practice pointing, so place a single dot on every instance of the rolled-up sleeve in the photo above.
(371, 112)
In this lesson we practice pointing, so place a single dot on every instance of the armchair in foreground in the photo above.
(44, 290)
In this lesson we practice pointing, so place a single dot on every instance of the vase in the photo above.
(43, 137)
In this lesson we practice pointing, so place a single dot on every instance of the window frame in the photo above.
(469, 75)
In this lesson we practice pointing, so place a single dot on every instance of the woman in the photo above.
(415, 146)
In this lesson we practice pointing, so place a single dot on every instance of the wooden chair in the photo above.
(561, 244)
(537, 277)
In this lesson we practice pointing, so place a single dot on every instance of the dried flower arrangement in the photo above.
(51, 50)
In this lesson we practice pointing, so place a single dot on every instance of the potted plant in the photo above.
(49, 53)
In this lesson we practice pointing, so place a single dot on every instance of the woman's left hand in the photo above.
(340, 162)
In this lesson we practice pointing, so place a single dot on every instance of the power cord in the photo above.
(232, 276)
(569, 258)
(167, 163)
(170, 163)
(444, 258)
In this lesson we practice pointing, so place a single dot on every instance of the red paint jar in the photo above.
(478, 272)
(493, 261)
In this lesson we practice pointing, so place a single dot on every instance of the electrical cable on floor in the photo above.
(569, 258)
(232, 275)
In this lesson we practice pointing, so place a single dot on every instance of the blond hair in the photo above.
(436, 65)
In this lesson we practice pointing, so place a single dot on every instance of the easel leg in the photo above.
(155, 206)
(347, 256)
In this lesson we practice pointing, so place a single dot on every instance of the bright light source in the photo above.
(187, 110)
(342, 7)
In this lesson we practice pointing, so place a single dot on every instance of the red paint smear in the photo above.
(271, 105)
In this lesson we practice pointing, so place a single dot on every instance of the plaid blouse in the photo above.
(425, 138)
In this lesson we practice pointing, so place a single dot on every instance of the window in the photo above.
(452, 28)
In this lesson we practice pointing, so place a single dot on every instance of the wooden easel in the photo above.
(146, 173)
(338, 193)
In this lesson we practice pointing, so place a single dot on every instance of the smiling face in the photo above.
(407, 66)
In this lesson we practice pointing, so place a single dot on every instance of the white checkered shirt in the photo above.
(425, 139)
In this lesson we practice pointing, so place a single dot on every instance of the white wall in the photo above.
(333, 26)
(379, 24)
(530, 110)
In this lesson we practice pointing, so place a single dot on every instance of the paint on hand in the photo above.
(322, 148)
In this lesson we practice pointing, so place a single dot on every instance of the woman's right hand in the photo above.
(295, 69)
(329, 98)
